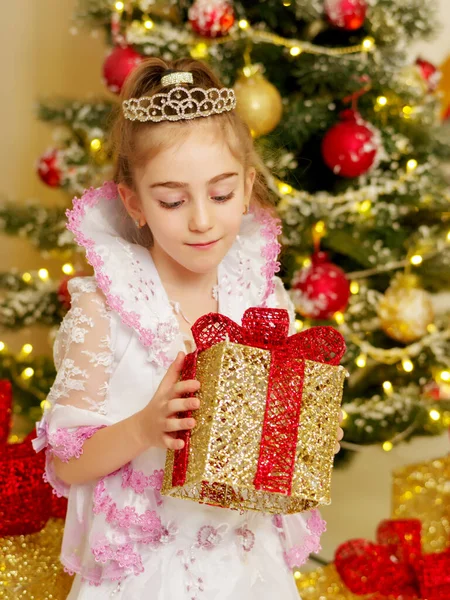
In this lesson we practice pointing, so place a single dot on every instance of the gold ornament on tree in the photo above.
(258, 102)
(406, 310)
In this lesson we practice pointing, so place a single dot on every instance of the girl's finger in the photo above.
(340, 434)
(173, 372)
(337, 448)
(189, 386)
(181, 404)
(173, 424)
(172, 443)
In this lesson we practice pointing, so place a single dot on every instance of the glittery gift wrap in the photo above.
(30, 567)
(268, 416)
(422, 491)
(26, 500)
(395, 565)
(325, 584)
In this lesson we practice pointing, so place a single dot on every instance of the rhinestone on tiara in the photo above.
(179, 103)
(176, 78)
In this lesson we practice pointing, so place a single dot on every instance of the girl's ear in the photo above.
(130, 201)
(248, 185)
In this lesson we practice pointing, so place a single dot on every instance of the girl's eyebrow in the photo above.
(181, 184)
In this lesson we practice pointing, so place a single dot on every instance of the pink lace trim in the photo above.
(138, 481)
(90, 198)
(297, 555)
(60, 489)
(67, 444)
(271, 228)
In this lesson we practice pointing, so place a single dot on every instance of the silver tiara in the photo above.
(180, 102)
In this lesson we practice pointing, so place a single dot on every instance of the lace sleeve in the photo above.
(284, 301)
(77, 404)
(83, 350)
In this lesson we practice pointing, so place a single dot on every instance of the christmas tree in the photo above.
(353, 140)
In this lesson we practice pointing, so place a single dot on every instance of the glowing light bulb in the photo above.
(297, 574)
(319, 227)
(119, 6)
(27, 348)
(295, 50)
(416, 259)
(382, 100)
(27, 277)
(298, 324)
(361, 361)
(387, 446)
(407, 365)
(199, 51)
(344, 415)
(354, 287)
(2, 346)
(67, 269)
(364, 206)
(285, 188)
(435, 415)
(387, 387)
(407, 111)
(243, 24)
(411, 164)
(444, 375)
(148, 24)
(43, 274)
(27, 373)
(368, 43)
(96, 144)
(339, 317)
(45, 404)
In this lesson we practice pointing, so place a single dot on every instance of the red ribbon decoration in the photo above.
(267, 328)
(26, 500)
(395, 565)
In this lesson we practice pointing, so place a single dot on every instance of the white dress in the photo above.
(122, 539)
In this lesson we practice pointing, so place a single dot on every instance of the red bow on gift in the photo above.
(395, 566)
(267, 328)
(26, 500)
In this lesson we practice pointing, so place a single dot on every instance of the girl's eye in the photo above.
(173, 205)
(180, 202)
(223, 198)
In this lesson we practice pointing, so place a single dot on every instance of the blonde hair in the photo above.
(134, 143)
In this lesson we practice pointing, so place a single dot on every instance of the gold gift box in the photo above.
(224, 446)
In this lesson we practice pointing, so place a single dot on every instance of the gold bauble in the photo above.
(444, 85)
(258, 102)
(406, 310)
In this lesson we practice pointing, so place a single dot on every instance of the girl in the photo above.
(185, 229)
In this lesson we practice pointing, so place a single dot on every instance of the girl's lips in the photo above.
(203, 246)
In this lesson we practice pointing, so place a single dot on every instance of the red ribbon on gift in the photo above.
(267, 328)
(26, 500)
(395, 565)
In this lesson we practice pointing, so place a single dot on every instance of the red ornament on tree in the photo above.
(346, 14)
(48, 168)
(211, 18)
(118, 65)
(429, 73)
(63, 292)
(351, 147)
(320, 290)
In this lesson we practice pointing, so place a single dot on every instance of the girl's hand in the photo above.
(340, 434)
(159, 422)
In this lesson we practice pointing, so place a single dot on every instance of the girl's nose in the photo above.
(200, 217)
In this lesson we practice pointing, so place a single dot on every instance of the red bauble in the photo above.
(429, 73)
(48, 168)
(346, 14)
(118, 65)
(211, 18)
(350, 147)
(63, 292)
(320, 290)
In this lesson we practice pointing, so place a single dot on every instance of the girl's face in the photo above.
(192, 196)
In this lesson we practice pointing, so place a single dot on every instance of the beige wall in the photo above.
(41, 58)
